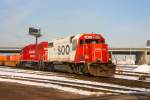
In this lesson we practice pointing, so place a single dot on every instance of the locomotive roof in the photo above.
(74, 36)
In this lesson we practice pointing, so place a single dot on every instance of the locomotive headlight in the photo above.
(99, 60)
(110, 58)
(88, 37)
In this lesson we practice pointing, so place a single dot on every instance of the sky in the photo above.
(123, 23)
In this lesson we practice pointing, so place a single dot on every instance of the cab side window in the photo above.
(81, 42)
(74, 44)
(50, 45)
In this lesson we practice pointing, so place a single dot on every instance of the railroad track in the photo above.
(65, 82)
(132, 75)
(35, 72)
(132, 72)
(81, 86)
(121, 74)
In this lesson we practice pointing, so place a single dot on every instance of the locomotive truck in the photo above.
(85, 53)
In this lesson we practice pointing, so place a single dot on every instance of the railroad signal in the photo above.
(35, 32)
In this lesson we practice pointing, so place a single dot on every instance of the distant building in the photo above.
(148, 43)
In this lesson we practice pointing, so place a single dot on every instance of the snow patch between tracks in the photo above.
(143, 68)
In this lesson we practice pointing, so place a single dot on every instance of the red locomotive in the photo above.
(80, 54)
(34, 53)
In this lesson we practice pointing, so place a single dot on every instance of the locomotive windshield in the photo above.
(91, 41)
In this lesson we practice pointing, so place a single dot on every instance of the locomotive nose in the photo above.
(99, 53)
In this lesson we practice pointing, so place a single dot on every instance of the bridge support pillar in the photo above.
(141, 58)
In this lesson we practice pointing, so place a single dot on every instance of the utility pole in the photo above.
(147, 50)
(146, 57)
(35, 32)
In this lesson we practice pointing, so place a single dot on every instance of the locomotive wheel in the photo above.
(78, 69)
(50, 67)
(36, 67)
(21, 65)
(41, 66)
(74, 69)
(85, 69)
(18, 66)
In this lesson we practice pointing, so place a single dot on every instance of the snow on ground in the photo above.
(143, 68)
(61, 79)
(126, 67)
(135, 70)
(55, 77)
(47, 85)
(126, 77)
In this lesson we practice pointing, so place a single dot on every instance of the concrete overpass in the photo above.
(10, 49)
(129, 50)
(141, 53)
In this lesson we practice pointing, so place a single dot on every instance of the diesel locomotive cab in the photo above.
(93, 48)
(92, 55)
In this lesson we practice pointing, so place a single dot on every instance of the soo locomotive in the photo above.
(81, 54)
